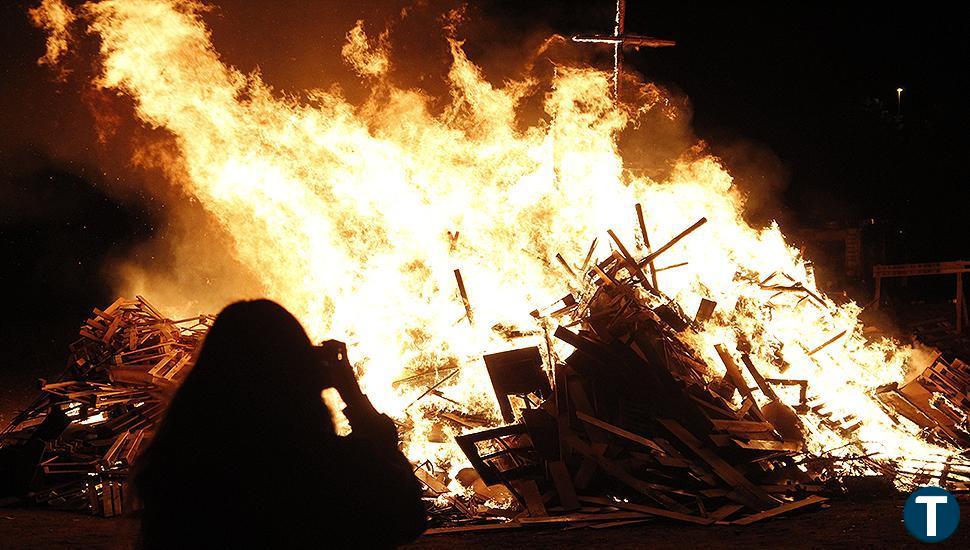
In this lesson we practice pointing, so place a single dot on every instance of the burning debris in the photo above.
(636, 425)
(632, 423)
(84, 431)
(614, 400)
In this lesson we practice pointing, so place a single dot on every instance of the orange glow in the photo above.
(347, 214)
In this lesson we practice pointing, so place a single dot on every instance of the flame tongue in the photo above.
(355, 217)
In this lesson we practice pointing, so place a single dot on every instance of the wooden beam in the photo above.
(959, 303)
(746, 492)
(787, 507)
(734, 374)
(673, 241)
(464, 298)
(705, 310)
(649, 490)
(564, 485)
(827, 343)
(646, 244)
(647, 510)
(615, 430)
(631, 262)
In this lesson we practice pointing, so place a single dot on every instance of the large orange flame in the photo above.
(348, 214)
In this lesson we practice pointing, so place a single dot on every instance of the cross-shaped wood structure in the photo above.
(620, 38)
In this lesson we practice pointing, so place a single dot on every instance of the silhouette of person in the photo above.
(246, 455)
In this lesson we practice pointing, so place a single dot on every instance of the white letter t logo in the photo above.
(931, 503)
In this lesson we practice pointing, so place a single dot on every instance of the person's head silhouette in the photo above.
(256, 360)
(247, 447)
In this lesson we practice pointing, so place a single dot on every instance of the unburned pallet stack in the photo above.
(88, 427)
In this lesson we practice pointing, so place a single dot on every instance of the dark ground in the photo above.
(876, 524)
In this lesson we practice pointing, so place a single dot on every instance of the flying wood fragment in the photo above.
(464, 298)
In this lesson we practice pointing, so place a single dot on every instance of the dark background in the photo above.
(800, 101)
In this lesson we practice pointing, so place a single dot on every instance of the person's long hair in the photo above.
(241, 419)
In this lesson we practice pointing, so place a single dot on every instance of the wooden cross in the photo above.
(620, 38)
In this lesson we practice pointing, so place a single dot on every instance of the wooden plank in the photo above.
(173, 372)
(646, 244)
(564, 485)
(734, 374)
(768, 445)
(826, 343)
(562, 261)
(570, 518)
(787, 507)
(747, 492)
(742, 426)
(672, 242)
(589, 255)
(529, 491)
(705, 310)
(618, 431)
(469, 314)
(724, 511)
(606, 278)
(587, 468)
(474, 528)
(758, 379)
(619, 523)
(115, 305)
(648, 510)
(112, 329)
(910, 270)
(631, 262)
(581, 403)
(649, 490)
(712, 407)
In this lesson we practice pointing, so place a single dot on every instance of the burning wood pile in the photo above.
(631, 425)
(88, 427)
(634, 426)
(937, 400)
(631, 428)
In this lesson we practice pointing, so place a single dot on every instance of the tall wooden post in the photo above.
(620, 38)
(959, 304)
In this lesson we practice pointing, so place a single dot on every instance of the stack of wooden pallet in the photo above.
(127, 357)
(937, 400)
(633, 426)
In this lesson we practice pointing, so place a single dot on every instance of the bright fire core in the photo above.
(355, 216)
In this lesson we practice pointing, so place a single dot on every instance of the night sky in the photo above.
(800, 101)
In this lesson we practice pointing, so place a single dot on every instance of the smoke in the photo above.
(760, 175)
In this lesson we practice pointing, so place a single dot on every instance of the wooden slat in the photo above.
(734, 374)
(787, 507)
(474, 528)
(768, 445)
(619, 431)
(724, 511)
(649, 490)
(570, 518)
(742, 426)
(647, 510)
(564, 485)
(747, 492)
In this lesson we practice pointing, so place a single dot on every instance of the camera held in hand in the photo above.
(335, 366)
